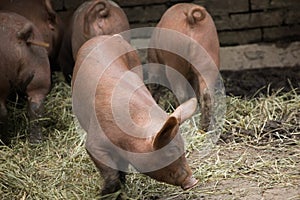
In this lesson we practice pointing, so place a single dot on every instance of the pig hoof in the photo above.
(36, 138)
(189, 183)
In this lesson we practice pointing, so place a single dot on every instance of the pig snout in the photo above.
(189, 182)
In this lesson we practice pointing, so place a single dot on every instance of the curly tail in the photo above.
(25, 33)
(196, 14)
(99, 7)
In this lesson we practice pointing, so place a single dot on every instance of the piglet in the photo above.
(92, 18)
(124, 124)
(186, 40)
(24, 66)
(43, 16)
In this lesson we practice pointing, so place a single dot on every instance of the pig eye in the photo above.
(173, 151)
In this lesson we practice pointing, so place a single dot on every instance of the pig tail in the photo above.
(92, 14)
(196, 14)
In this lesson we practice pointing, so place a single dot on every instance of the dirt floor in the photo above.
(257, 156)
(262, 183)
(251, 186)
(262, 169)
(249, 83)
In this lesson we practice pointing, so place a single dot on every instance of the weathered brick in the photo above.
(181, 1)
(257, 19)
(259, 4)
(154, 13)
(222, 22)
(135, 14)
(273, 4)
(143, 14)
(281, 33)
(201, 2)
(125, 3)
(72, 4)
(141, 25)
(237, 21)
(292, 17)
(284, 4)
(240, 37)
(222, 6)
(260, 56)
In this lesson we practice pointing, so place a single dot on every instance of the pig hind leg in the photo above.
(179, 86)
(112, 178)
(207, 101)
(4, 87)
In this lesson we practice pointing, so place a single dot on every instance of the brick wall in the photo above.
(238, 21)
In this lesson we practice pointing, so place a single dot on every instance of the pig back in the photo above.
(115, 93)
(194, 21)
(99, 17)
(90, 66)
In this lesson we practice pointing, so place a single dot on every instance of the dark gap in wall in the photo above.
(245, 29)
(262, 34)
(249, 6)
(245, 12)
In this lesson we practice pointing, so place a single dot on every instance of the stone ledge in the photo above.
(260, 56)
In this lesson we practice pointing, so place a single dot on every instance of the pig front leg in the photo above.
(156, 76)
(101, 155)
(3, 123)
(36, 91)
(35, 112)
(113, 179)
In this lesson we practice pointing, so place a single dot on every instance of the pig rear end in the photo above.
(187, 20)
(24, 67)
(92, 18)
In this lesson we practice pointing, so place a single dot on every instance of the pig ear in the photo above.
(166, 134)
(51, 14)
(185, 110)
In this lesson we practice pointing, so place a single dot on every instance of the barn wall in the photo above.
(238, 21)
(252, 33)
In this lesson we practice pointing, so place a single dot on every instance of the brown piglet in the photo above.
(123, 122)
(198, 61)
(43, 16)
(92, 18)
(24, 66)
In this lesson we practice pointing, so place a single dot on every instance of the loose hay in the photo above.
(259, 147)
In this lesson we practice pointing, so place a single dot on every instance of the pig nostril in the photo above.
(189, 183)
